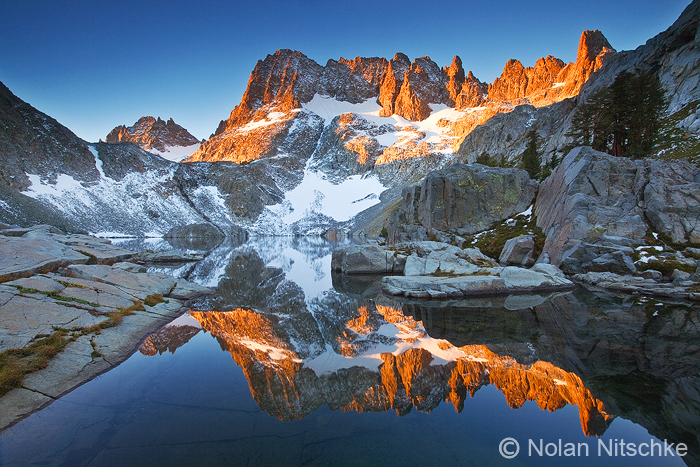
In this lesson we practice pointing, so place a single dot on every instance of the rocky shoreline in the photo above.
(83, 296)
(608, 223)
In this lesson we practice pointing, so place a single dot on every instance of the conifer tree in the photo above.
(622, 119)
(530, 158)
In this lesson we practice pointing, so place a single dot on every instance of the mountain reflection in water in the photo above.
(305, 339)
(329, 362)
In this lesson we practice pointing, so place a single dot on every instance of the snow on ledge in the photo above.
(176, 153)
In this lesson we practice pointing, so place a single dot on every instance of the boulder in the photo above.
(518, 251)
(193, 231)
(679, 276)
(490, 281)
(611, 282)
(364, 259)
(441, 258)
(462, 199)
(593, 208)
(170, 256)
(586, 203)
(652, 274)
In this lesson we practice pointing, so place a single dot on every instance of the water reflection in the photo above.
(305, 339)
(336, 361)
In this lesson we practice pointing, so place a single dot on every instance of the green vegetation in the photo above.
(54, 294)
(530, 159)
(623, 119)
(676, 143)
(15, 364)
(665, 266)
(491, 242)
(384, 232)
(493, 161)
(92, 259)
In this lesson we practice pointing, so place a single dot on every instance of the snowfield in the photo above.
(316, 198)
(176, 153)
(136, 205)
(434, 128)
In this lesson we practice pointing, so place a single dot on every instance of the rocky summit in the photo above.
(157, 136)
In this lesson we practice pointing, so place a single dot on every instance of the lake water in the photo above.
(288, 364)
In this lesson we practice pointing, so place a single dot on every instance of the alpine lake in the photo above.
(287, 364)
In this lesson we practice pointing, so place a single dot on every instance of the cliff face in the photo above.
(354, 80)
(550, 80)
(286, 83)
(283, 81)
(150, 133)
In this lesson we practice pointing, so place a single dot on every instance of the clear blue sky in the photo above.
(96, 64)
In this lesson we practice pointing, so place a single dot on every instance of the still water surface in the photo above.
(289, 365)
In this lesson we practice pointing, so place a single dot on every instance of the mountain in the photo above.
(49, 175)
(671, 55)
(431, 108)
(167, 139)
(371, 125)
(314, 148)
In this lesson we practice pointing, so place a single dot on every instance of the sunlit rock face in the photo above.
(406, 91)
(285, 80)
(150, 133)
(277, 135)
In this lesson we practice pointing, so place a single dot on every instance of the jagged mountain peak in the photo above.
(285, 80)
(270, 113)
(156, 135)
(592, 43)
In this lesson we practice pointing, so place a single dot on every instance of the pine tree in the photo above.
(530, 158)
(622, 119)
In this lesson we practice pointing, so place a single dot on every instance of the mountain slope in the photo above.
(49, 175)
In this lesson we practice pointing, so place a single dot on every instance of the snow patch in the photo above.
(316, 196)
(434, 129)
(328, 107)
(176, 153)
(98, 161)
